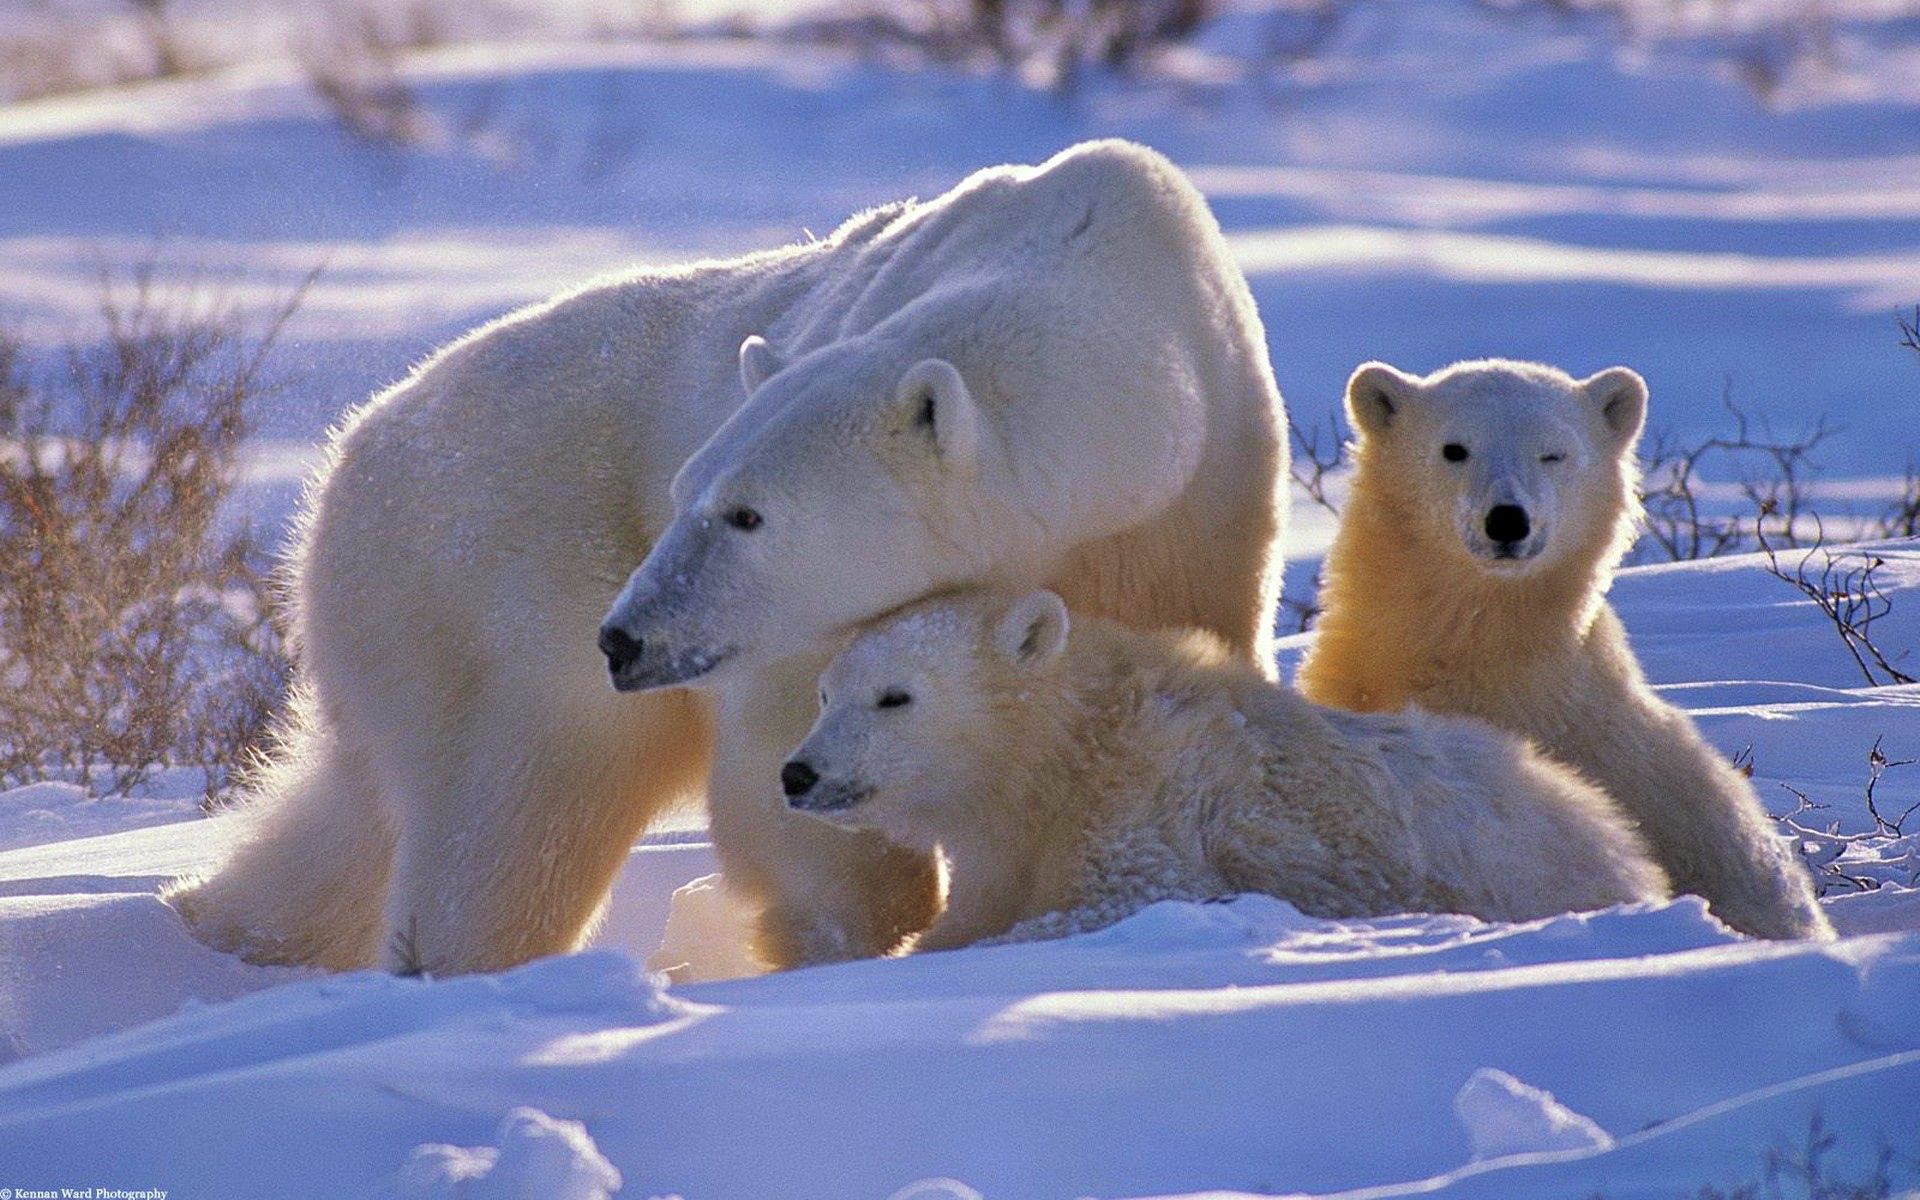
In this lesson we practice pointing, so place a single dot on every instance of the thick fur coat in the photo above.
(1423, 604)
(1071, 777)
(1050, 374)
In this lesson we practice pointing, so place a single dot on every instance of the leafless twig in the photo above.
(1878, 764)
(1849, 596)
(1051, 43)
(354, 66)
(1677, 522)
(1301, 614)
(1825, 848)
(409, 961)
(1312, 462)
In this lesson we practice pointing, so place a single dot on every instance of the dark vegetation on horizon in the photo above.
(351, 50)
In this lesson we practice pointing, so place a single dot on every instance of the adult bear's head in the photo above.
(854, 480)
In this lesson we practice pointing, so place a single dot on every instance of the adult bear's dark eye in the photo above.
(1552, 458)
(744, 518)
(1453, 452)
(893, 698)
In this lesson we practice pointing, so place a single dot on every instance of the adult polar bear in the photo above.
(1049, 375)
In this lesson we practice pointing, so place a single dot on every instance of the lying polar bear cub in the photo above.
(1073, 778)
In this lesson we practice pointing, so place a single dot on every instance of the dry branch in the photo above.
(135, 627)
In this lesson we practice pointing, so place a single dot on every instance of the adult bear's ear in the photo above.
(1034, 630)
(757, 362)
(1376, 395)
(1620, 396)
(935, 403)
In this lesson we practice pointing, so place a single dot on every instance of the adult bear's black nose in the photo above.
(797, 779)
(1508, 523)
(621, 648)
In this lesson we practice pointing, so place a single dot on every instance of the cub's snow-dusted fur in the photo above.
(1073, 776)
(1491, 503)
(1052, 374)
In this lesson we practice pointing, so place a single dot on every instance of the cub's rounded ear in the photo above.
(757, 363)
(1376, 395)
(1033, 631)
(935, 403)
(1620, 396)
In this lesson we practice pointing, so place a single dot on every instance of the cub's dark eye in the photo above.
(893, 698)
(744, 519)
(1553, 458)
(1453, 452)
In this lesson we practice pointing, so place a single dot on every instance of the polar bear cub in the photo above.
(1491, 502)
(1072, 776)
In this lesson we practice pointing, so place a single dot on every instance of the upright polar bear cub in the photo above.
(1072, 776)
(1050, 374)
(1491, 503)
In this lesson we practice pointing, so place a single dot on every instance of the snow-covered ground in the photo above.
(1451, 183)
(1236, 1046)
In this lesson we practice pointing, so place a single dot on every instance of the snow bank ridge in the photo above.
(538, 1158)
(1504, 1117)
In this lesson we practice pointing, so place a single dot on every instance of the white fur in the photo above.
(1072, 778)
(1102, 417)
(1419, 607)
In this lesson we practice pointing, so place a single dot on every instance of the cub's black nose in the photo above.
(797, 778)
(621, 648)
(1508, 523)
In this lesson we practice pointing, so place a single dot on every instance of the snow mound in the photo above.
(937, 1189)
(51, 811)
(1504, 1117)
(1162, 1057)
(538, 1158)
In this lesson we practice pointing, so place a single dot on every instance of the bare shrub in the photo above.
(1768, 47)
(135, 627)
(1300, 612)
(1317, 457)
(48, 50)
(1771, 472)
(1768, 59)
(34, 65)
(1846, 592)
(1901, 517)
(1315, 462)
(1826, 849)
(163, 43)
(1059, 36)
(1772, 475)
(354, 66)
(1049, 42)
(1807, 1173)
